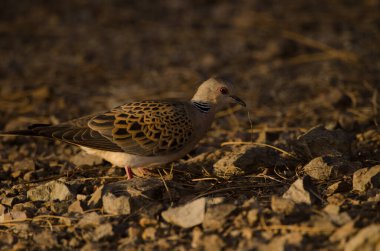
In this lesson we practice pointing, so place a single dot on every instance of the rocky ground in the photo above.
(305, 175)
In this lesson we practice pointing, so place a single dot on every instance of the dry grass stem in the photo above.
(259, 144)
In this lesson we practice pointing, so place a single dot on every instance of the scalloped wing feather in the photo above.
(149, 128)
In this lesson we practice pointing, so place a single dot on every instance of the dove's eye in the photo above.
(223, 90)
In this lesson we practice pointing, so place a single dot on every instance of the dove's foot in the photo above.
(128, 172)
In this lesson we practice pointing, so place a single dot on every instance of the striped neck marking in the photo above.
(201, 106)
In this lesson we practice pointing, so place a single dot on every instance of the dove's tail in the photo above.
(27, 132)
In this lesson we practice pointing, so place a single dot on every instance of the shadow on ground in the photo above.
(304, 176)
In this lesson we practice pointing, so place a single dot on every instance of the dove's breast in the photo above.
(122, 159)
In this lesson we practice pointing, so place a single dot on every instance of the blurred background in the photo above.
(296, 63)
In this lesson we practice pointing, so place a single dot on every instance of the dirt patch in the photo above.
(305, 176)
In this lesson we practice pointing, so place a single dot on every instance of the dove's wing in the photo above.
(148, 128)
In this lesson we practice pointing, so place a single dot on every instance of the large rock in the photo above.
(244, 160)
(299, 192)
(328, 167)
(366, 178)
(319, 141)
(188, 215)
(116, 205)
(136, 191)
(53, 190)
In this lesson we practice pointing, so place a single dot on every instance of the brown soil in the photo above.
(297, 64)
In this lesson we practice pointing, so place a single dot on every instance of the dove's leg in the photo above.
(128, 172)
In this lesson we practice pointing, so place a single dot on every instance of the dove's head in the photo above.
(218, 92)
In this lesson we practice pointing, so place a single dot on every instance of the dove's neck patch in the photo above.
(201, 106)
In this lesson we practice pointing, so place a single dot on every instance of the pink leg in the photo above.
(128, 172)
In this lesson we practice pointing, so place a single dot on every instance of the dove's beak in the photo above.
(238, 100)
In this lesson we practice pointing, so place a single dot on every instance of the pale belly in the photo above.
(124, 159)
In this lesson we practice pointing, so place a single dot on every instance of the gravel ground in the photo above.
(303, 174)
